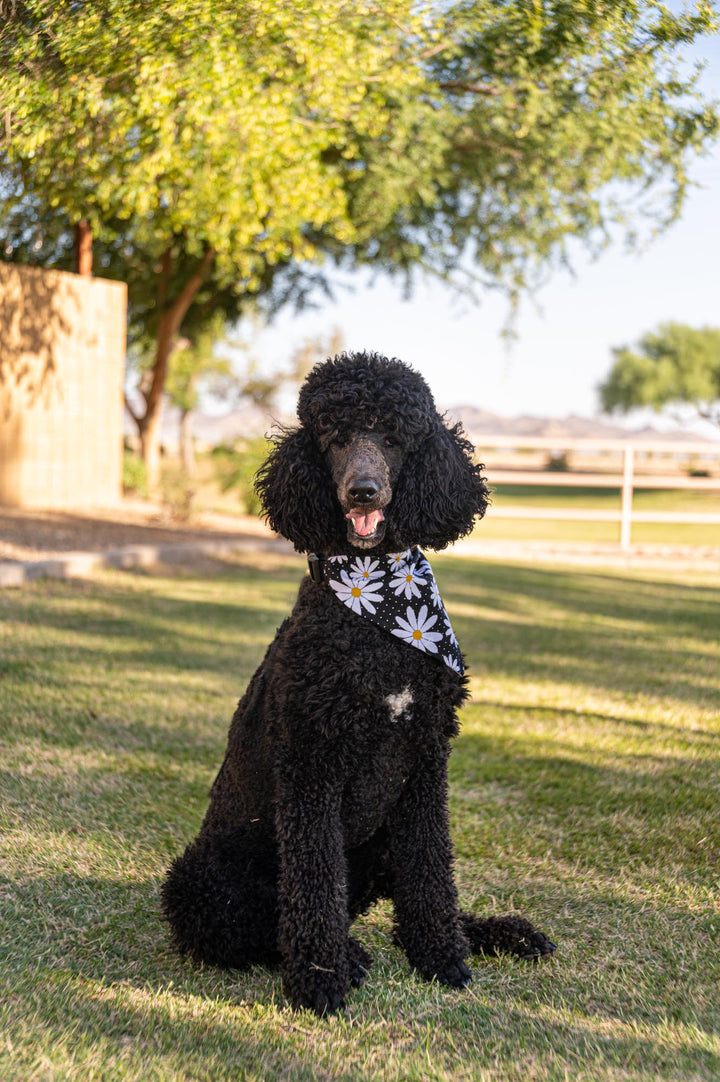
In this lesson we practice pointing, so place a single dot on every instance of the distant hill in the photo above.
(478, 423)
(245, 422)
(248, 421)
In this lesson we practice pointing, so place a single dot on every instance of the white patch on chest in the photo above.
(399, 702)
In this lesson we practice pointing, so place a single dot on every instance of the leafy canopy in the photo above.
(198, 119)
(559, 120)
(384, 133)
(673, 365)
(219, 151)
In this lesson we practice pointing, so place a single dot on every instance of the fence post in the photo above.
(627, 496)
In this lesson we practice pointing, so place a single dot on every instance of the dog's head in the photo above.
(372, 465)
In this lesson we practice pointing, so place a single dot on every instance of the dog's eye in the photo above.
(391, 441)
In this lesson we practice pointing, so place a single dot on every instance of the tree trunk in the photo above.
(187, 447)
(168, 327)
(150, 423)
(83, 249)
(149, 428)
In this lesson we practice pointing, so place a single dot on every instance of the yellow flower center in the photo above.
(417, 633)
(356, 591)
(408, 578)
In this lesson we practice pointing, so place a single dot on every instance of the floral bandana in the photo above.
(399, 593)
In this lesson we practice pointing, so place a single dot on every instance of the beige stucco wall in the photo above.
(62, 356)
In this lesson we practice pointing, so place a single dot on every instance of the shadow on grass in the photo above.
(519, 588)
(99, 965)
(582, 628)
(121, 700)
(207, 630)
(603, 632)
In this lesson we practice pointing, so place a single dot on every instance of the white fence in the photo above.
(626, 480)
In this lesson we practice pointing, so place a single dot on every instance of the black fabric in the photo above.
(397, 592)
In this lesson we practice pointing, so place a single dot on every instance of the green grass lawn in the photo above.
(585, 793)
(573, 497)
(586, 496)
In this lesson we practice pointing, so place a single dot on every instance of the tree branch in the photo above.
(131, 411)
(169, 323)
(177, 310)
(166, 262)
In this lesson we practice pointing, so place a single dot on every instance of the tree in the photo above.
(674, 365)
(217, 151)
(193, 139)
(202, 368)
(192, 364)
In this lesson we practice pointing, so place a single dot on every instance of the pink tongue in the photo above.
(365, 523)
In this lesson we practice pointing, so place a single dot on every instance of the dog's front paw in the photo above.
(316, 988)
(453, 974)
(449, 970)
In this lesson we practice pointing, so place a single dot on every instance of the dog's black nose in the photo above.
(363, 491)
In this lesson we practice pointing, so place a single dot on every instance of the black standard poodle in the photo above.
(333, 792)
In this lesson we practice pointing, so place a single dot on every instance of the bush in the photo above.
(235, 468)
(696, 469)
(558, 462)
(134, 479)
(176, 495)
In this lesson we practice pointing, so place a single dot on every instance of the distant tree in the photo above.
(237, 464)
(202, 368)
(192, 365)
(675, 365)
(310, 351)
(218, 150)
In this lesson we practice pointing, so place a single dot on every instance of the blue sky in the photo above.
(564, 338)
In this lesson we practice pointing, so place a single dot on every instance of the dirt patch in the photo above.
(43, 535)
(38, 535)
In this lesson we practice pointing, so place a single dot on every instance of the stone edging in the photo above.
(82, 564)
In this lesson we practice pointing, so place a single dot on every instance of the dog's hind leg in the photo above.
(510, 934)
(221, 904)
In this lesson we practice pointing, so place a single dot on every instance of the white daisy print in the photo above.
(398, 593)
(416, 630)
(435, 593)
(357, 594)
(407, 582)
(366, 569)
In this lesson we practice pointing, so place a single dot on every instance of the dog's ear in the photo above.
(297, 493)
(440, 491)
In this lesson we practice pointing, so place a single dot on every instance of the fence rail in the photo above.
(626, 480)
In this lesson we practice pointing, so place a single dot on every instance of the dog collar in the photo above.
(397, 592)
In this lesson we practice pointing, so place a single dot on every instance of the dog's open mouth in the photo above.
(366, 526)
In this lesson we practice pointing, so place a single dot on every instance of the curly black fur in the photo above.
(440, 491)
(330, 796)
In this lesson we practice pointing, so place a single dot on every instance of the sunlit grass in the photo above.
(644, 499)
(584, 793)
(578, 497)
